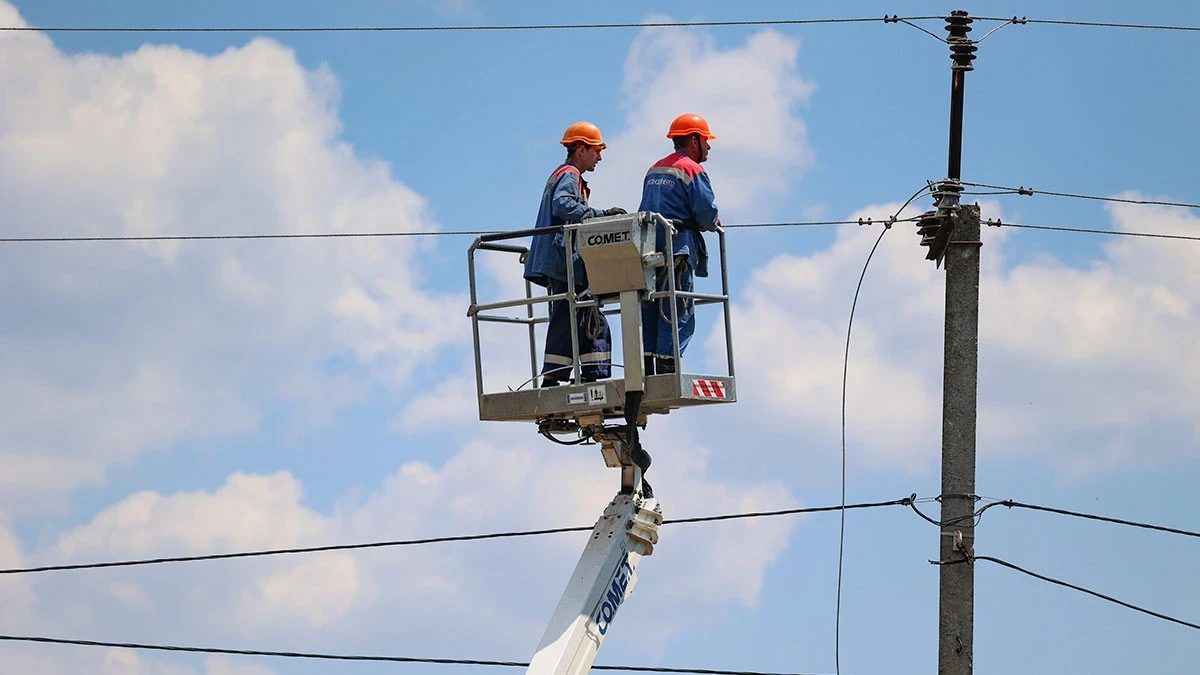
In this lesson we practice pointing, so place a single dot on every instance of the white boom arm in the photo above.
(602, 580)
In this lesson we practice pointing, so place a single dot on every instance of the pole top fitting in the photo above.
(946, 195)
(962, 48)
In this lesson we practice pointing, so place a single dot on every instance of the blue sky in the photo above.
(212, 396)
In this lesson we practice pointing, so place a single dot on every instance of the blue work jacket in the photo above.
(564, 201)
(678, 188)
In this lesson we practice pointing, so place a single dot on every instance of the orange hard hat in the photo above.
(583, 132)
(690, 123)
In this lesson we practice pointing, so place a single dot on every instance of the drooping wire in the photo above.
(1007, 22)
(996, 222)
(436, 540)
(1013, 504)
(444, 29)
(837, 620)
(1029, 192)
(1059, 582)
(1093, 24)
(976, 515)
(924, 30)
(360, 657)
(1091, 516)
(550, 437)
(837, 632)
(352, 235)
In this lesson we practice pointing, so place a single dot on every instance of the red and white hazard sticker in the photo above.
(708, 389)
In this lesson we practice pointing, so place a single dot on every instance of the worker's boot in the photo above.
(647, 365)
(663, 366)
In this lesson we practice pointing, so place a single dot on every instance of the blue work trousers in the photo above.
(657, 338)
(595, 339)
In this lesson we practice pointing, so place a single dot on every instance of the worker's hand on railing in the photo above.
(615, 211)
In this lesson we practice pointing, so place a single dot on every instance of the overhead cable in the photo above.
(577, 26)
(359, 657)
(1004, 563)
(1022, 190)
(924, 30)
(1091, 516)
(996, 222)
(434, 540)
(354, 235)
(975, 515)
(1091, 24)
(453, 28)
(1013, 504)
(837, 617)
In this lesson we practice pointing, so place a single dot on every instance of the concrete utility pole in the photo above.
(956, 610)
(952, 232)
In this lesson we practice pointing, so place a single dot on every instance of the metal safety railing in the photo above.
(479, 313)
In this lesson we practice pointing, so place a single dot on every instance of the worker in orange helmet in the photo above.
(678, 188)
(565, 201)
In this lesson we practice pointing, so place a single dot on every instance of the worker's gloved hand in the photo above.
(615, 211)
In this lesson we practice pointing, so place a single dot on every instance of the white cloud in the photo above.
(502, 590)
(748, 94)
(142, 346)
(1090, 368)
(248, 510)
(319, 591)
(790, 340)
(450, 404)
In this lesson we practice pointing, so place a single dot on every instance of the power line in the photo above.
(814, 223)
(1090, 516)
(1092, 24)
(1081, 589)
(210, 237)
(353, 235)
(578, 26)
(1117, 233)
(924, 30)
(837, 619)
(975, 516)
(361, 657)
(1013, 504)
(433, 540)
(1022, 190)
(453, 28)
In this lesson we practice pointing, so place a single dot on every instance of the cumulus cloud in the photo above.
(1096, 367)
(142, 346)
(748, 94)
(1090, 368)
(504, 592)
(790, 339)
